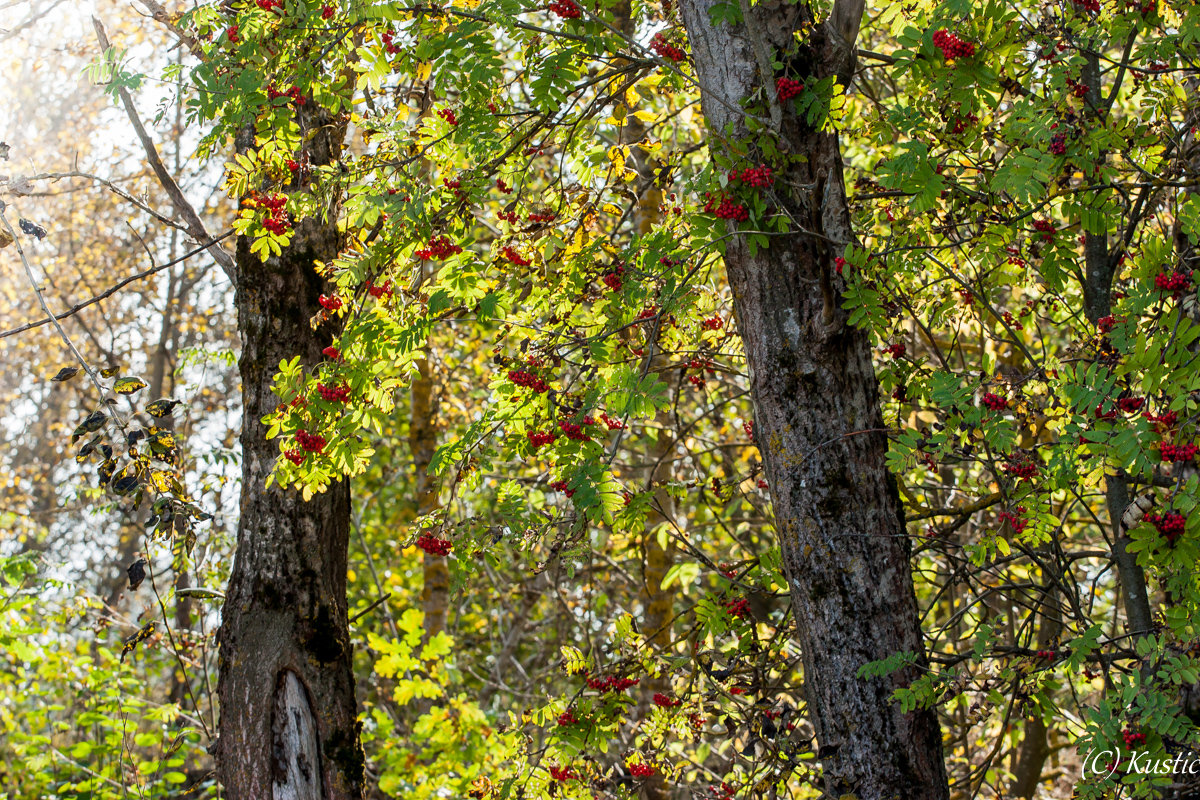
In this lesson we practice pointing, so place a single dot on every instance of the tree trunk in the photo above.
(817, 418)
(288, 725)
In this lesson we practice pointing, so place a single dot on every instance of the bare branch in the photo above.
(110, 291)
(160, 15)
(183, 208)
(33, 283)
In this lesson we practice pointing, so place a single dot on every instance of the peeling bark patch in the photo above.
(296, 758)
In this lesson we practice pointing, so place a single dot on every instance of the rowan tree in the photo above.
(720, 422)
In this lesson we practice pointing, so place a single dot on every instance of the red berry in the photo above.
(951, 46)
(310, 442)
(995, 402)
(787, 88)
(663, 48)
(567, 9)
(433, 545)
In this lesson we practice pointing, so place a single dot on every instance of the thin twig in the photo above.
(50, 317)
(109, 292)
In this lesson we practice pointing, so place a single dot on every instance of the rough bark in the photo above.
(288, 725)
(817, 418)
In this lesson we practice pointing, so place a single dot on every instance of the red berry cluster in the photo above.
(1170, 524)
(567, 9)
(310, 442)
(722, 792)
(433, 545)
(1106, 324)
(1174, 282)
(513, 255)
(662, 47)
(1088, 5)
(896, 350)
(757, 177)
(563, 774)
(1162, 422)
(503, 187)
(995, 402)
(542, 217)
(839, 263)
(613, 278)
(439, 247)
(380, 290)
(231, 33)
(1045, 655)
(1021, 470)
(567, 718)
(738, 607)
(1046, 228)
(662, 701)
(391, 49)
(712, 324)
(951, 46)
(448, 115)
(327, 12)
(277, 220)
(641, 770)
(561, 486)
(332, 353)
(330, 303)
(1175, 453)
(528, 380)
(612, 423)
(1130, 405)
(1058, 144)
(293, 93)
(539, 438)
(1132, 739)
(294, 455)
(748, 427)
(787, 88)
(270, 5)
(576, 432)
(1015, 521)
(334, 394)
(612, 683)
(724, 207)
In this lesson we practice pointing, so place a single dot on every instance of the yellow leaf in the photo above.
(424, 70)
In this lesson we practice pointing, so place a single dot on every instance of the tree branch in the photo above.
(183, 208)
(109, 292)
